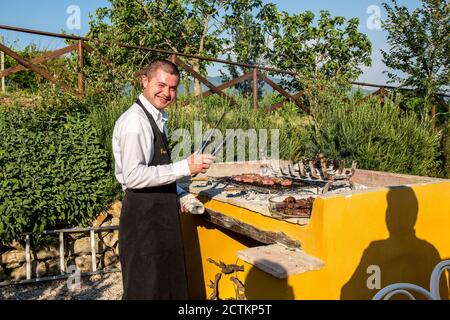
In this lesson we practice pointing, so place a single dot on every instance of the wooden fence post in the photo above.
(81, 66)
(2, 65)
(381, 93)
(433, 116)
(255, 88)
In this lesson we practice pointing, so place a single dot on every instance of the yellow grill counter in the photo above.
(388, 228)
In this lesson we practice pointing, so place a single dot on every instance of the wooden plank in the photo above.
(282, 103)
(33, 67)
(173, 58)
(223, 86)
(278, 88)
(280, 261)
(102, 58)
(40, 59)
(380, 92)
(263, 236)
(198, 76)
(255, 88)
(81, 66)
(282, 91)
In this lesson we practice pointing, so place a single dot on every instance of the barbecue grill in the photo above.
(323, 249)
(310, 176)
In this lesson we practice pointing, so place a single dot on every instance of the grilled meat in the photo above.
(259, 180)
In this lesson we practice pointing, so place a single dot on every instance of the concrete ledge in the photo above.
(280, 261)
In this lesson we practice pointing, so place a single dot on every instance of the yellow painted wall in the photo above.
(398, 233)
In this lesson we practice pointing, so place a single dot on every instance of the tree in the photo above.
(180, 26)
(190, 26)
(248, 43)
(332, 47)
(245, 30)
(419, 46)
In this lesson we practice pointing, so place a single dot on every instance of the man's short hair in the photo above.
(165, 65)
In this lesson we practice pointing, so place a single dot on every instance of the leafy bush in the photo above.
(53, 171)
(104, 114)
(446, 151)
(380, 138)
(289, 120)
(383, 138)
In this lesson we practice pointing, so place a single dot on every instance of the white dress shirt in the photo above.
(132, 145)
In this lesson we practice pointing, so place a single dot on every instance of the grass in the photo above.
(18, 98)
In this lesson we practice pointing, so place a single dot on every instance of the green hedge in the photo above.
(53, 171)
(446, 151)
(383, 138)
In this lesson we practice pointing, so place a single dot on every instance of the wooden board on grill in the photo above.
(280, 261)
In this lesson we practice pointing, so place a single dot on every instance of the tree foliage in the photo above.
(244, 30)
(328, 46)
(419, 46)
(248, 43)
(191, 27)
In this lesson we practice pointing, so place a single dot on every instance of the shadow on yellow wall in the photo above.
(260, 286)
(400, 258)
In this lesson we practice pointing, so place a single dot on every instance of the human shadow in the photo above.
(401, 258)
(260, 285)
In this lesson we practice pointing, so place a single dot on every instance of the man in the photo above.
(150, 240)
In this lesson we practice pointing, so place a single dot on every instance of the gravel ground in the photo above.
(106, 286)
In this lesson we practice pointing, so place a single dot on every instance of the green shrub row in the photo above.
(383, 138)
(53, 171)
(446, 150)
(56, 164)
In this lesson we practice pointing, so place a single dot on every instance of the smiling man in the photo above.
(150, 241)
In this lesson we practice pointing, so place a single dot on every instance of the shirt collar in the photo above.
(158, 115)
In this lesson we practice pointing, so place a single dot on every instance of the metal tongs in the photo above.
(208, 138)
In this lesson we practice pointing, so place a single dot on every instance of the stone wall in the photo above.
(77, 251)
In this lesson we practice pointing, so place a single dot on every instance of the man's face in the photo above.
(160, 89)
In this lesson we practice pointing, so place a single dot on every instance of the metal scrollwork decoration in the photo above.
(226, 269)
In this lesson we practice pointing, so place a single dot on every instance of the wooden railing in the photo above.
(256, 73)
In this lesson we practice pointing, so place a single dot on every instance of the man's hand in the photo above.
(199, 162)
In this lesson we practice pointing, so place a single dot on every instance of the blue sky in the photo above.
(52, 15)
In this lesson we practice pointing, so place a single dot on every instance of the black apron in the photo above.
(150, 239)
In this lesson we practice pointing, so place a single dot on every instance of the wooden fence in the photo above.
(81, 46)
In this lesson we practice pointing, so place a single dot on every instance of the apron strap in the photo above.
(156, 132)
